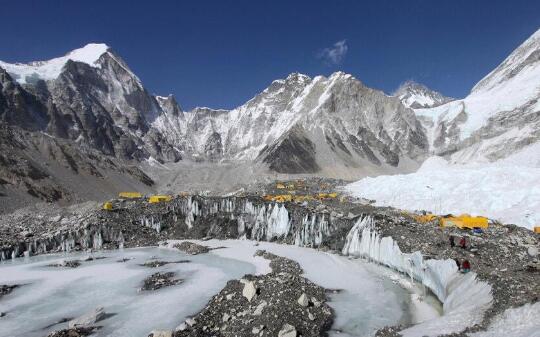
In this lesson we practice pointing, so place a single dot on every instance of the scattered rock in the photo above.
(160, 280)
(161, 333)
(67, 264)
(87, 319)
(7, 288)
(191, 248)
(74, 332)
(259, 309)
(271, 303)
(155, 264)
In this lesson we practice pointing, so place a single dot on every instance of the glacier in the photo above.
(464, 297)
(500, 191)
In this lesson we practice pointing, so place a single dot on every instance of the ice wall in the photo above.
(91, 237)
(258, 220)
(464, 297)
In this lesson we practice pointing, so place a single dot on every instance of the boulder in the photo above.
(181, 327)
(303, 300)
(287, 331)
(259, 309)
(249, 290)
(88, 319)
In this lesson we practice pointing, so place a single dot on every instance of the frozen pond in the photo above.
(371, 296)
(369, 299)
(52, 293)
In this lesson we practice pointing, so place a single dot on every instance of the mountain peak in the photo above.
(527, 55)
(50, 69)
(89, 54)
(416, 95)
(297, 77)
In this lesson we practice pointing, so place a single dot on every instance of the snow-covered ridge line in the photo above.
(464, 297)
(49, 70)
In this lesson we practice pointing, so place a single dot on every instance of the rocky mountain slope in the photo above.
(37, 167)
(89, 96)
(501, 115)
(333, 126)
(415, 95)
(91, 102)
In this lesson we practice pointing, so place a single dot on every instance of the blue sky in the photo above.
(222, 53)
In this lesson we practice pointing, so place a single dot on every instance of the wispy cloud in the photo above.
(336, 54)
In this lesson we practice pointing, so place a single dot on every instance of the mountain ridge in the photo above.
(331, 126)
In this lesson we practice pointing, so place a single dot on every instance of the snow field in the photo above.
(502, 191)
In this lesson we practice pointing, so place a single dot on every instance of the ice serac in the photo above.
(464, 297)
(415, 95)
(499, 117)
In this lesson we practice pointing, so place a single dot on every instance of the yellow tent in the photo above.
(465, 221)
(129, 195)
(159, 198)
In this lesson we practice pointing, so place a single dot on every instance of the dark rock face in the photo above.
(19, 107)
(294, 153)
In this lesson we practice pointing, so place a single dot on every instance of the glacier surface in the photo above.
(464, 297)
(502, 191)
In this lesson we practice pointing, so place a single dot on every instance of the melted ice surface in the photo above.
(369, 299)
(52, 293)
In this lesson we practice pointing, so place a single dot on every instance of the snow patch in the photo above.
(515, 322)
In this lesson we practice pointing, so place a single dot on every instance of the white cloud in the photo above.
(336, 54)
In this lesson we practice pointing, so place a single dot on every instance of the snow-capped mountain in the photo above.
(333, 125)
(501, 115)
(415, 95)
(89, 96)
